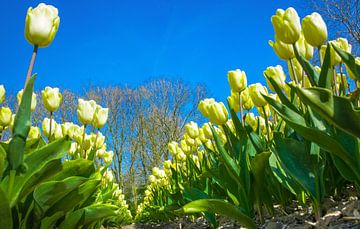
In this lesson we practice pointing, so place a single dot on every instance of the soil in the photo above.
(340, 212)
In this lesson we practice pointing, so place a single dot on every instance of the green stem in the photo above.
(50, 128)
(293, 72)
(11, 182)
(342, 79)
(267, 125)
(31, 65)
(82, 142)
(335, 84)
(241, 110)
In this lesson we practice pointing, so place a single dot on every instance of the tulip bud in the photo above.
(247, 103)
(78, 133)
(251, 120)
(185, 144)
(204, 106)
(33, 99)
(350, 73)
(304, 48)
(86, 111)
(207, 130)
(172, 147)
(100, 117)
(181, 156)
(51, 98)
(343, 44)
(202, 136)
(237, 80)
(314, 29)
(100, 140)
(256, 92)
(46, 127)
(277, 74)
(282, 50)
(67, 129)
(2, 93)
(167, 164)
(34, 134)
(5, 116)
(57, 131)
(218, 113)
(73, 148)
(234, 101)
(192, 129)
(41, 24)
(287, 25)
(108, 156)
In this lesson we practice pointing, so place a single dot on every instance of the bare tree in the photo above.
(342, 18)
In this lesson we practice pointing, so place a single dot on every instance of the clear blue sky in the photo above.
(128, 42)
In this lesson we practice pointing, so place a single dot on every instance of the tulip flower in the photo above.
(34, 134)
(204, 106)
(282, 50)
(58, 132)
(192, 129)
(33, 99)
(46, 127)
(237, 80)
(5, 116)
(304, 48)
(277, 74)
(207, 130)
(98, 139)
(295, 68)
(108, 156)
(314, 29)
(86, 111)
(218, 113)
(100, 117)
(2, 93)
(251, 120)
(172, 147)
(247, 102)
(51, 98)
(234, 101)
(41, 25)
(286, 25)
(256, 92)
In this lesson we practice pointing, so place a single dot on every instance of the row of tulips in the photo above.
(303, 144)
(56, 176)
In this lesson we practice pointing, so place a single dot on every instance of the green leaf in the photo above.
(258, 166)
(323, 139)
(49, 222)
(220, 207)
(3, 161)
(86, 216)
(49, 193)
(295, 158)
(21, 128)
(349, 60)
(5, 211)
(337, 110)
(308, 68)
(78, 167)
(36, 162)
(326, 71)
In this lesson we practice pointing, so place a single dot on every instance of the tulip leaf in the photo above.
(323, 139)
(78, 167)
(21, 127)
(49, 222)
(308, 68)
(86, 216)
(337, 110)
(295, 158)
(220, 207)
(3, 161)
(281, 94)
(35, 163)
(326, 71)
(5, 211)
(349, 60)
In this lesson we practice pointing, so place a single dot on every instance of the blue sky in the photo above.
(127, 42)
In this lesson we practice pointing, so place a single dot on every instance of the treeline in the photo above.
(141, 122)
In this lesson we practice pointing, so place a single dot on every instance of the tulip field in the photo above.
(295, 140)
